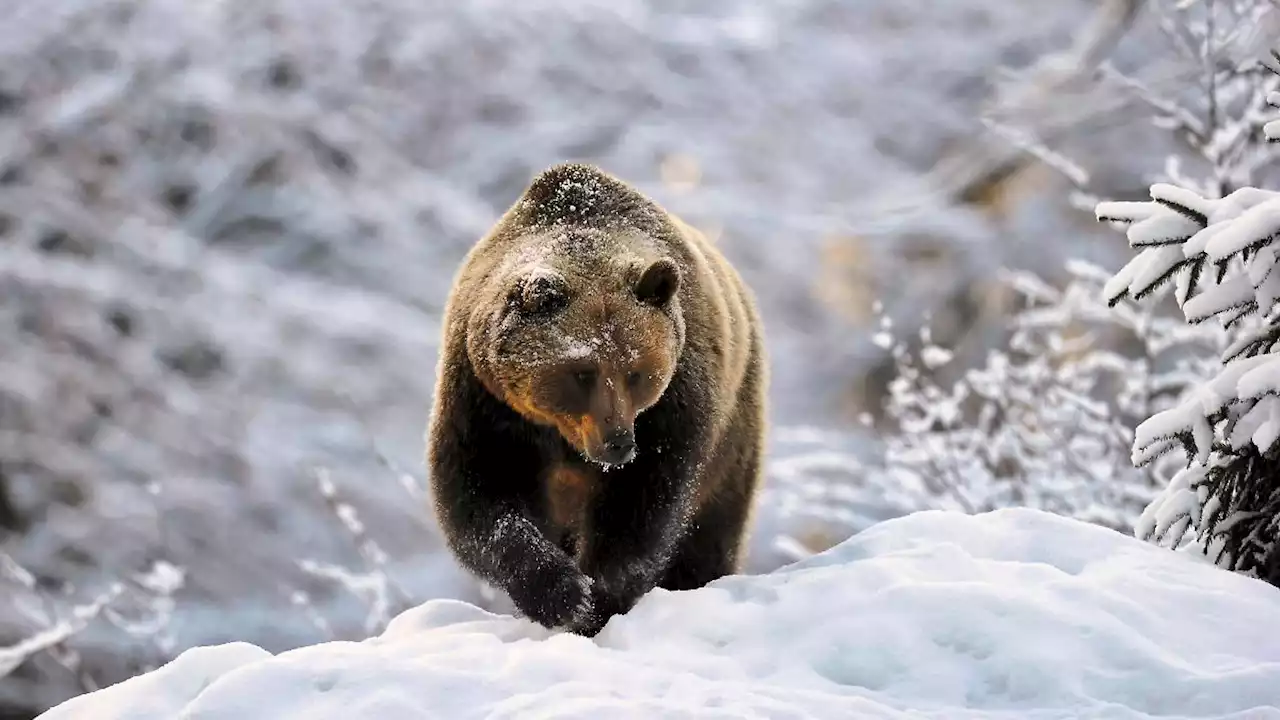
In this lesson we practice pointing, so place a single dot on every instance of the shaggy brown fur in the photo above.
(600, 408)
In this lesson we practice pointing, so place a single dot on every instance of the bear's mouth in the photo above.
(607, 465)
(613, 448)
(607, 449)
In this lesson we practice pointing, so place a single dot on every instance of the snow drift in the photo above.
(1013, 613)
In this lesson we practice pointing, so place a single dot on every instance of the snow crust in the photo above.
(1013, 614)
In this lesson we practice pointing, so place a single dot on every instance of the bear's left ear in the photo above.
(658, 283)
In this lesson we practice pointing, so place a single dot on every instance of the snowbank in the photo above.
(1015, 613)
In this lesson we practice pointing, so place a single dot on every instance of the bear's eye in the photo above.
(585, 378)
(545, 302)
(634, 378)
(541, 296)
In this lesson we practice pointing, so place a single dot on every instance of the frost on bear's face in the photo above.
(587, 348)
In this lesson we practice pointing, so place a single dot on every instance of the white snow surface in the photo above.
(1015, 613)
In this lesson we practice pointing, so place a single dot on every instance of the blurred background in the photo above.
(228, 227)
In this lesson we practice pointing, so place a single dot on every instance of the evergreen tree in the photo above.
(1217, 248)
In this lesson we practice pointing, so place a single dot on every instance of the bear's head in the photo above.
(584, 335)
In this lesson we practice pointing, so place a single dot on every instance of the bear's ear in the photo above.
(658, 283)
(542, 292)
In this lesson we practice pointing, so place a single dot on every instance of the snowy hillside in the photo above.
(1015, 613)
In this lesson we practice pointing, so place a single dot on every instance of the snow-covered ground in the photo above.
(1011, 614)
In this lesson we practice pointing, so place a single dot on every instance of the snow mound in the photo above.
(1013, 613)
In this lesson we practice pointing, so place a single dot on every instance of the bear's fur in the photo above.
(599, 413)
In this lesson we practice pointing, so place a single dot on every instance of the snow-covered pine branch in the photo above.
(1220, 255)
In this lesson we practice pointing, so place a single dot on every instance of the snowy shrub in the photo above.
(1218, 110)
(382, 595)
(1214, 246)
(138, 605)
(1045, 422)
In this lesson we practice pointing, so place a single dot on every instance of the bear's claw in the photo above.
(585, 605)
(555, 596)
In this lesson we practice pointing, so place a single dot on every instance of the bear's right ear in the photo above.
(658, 283)
(541, 292)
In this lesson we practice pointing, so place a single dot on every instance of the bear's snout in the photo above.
(619, 447)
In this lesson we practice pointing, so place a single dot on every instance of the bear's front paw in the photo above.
(614, 592)
(555, 596)
(591, 622)
(623, 585)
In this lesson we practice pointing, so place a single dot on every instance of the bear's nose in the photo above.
(619, 446)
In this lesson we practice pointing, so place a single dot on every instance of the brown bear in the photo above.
(599, 414)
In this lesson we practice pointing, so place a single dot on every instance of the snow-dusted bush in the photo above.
(1046, 421)
(1216, 108)
(1215, 246)
(139, 605)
